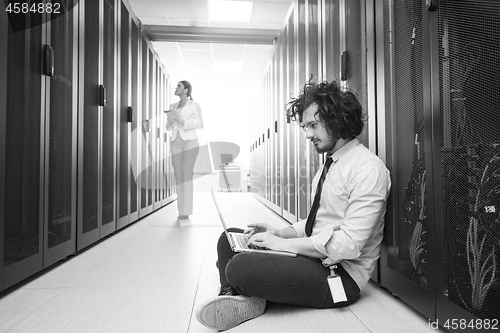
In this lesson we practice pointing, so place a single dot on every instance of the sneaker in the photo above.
(226, 312)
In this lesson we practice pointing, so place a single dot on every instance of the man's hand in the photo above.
(256, 228)
(267, 240)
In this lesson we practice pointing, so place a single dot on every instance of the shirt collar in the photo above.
(344, 149)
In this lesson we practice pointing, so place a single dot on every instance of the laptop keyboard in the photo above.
(242, 242)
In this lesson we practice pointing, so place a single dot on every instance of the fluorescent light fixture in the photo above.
(228, 66)
(229, 11)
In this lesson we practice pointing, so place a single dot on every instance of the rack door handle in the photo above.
(48, 60)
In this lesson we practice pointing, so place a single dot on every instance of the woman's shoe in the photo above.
(226, 312)
(183, 217)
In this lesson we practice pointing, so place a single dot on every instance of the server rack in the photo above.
(61, 138)
(68, 146)
(464, 107)
(96, 181)
(291, 130)
(135, 133)
(22, 142)
(313, 69)
(440, 253)
(127, 120)
(301, 76)
(406, 268)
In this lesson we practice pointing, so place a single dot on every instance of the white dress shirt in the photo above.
(191, 114)
(350, 220)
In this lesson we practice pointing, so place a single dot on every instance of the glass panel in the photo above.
(135, 105)
(332, 41)
(291, 132)
(285, 192)
(273, 139)
(157, 137)
(152, 129)
(470, 153)
(61, 120)
(145, 117)
(90, 119)
(277, 126)
(356, 50)
(21, 220)
(406, 232)
(125, 169)
(108, 117)
(313, 49)
(303, 190)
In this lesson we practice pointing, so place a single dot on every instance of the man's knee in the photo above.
(237, 270)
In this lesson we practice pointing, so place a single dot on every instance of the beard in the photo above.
(324, 146)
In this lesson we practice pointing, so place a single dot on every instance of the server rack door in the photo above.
(263, 121)
(313, 66)
(157, 136)
(135, 133)
(171, 183)
(255, 167)
(128, 112)
(263, 134)
(279, 125)
(21, 147)
(273, 138)
(90, 125)
(406, 267)
(166, 145)
(144, 140)
(292, 129)
(283, 125)
(263, 151)
(160, 128)
(152, 129)
(303, 148)
(61, 143)
(468, 190)
(109, 119)
(331, 40)
(166, 149)
(355, 70)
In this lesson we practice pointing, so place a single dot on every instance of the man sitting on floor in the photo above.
(337, 246)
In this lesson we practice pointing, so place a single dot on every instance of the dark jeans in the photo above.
(297, 281)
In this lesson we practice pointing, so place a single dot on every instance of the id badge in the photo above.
(336, 286)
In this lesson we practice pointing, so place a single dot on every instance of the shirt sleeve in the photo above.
(367, 189)
(300, 228)
(194, 121)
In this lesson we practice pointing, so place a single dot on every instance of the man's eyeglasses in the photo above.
(313, 125)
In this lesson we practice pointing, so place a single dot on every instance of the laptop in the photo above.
(238, 241)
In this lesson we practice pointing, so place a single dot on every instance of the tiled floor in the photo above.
(150, 276)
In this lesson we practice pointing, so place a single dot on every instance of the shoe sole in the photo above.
(226, 312)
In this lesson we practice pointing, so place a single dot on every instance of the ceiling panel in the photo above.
(187, 46)
(194, 61)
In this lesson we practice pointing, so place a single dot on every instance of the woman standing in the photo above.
(184, 117)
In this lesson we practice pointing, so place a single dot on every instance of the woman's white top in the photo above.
(191, 114)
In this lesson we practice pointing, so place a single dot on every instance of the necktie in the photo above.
(314, 209)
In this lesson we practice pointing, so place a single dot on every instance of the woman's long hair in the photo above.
(188, 86)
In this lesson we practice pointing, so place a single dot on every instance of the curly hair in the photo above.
(338, 110)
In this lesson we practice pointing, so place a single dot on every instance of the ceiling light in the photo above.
(228, 66)
(229, 11)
